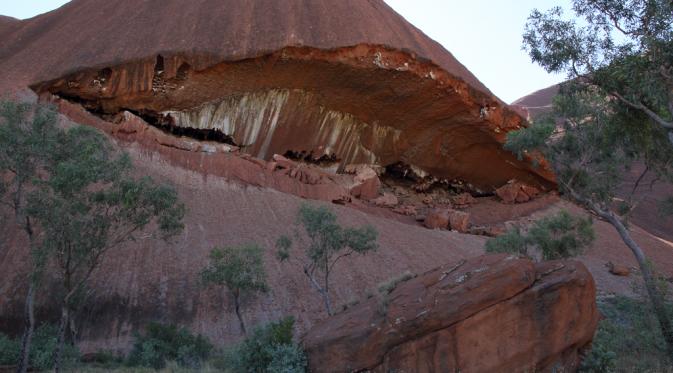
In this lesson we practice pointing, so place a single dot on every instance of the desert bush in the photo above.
(627, 339)
(9, 350)
(45, 341)
(553, 237)
(387, 287)
(162, 343)
(269, 348)
(241, 270)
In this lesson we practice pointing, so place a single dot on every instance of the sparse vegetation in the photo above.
(240, 269)
(163, 343)
(554, 237)
(269, 349)
(616, 109)
(328, 243)
(627, 339)
(387, 287)
(41, 358)
(9, 350)
(27, 133)
(78, 191)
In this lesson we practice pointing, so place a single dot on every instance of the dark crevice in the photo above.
(105, 74)
(159, 65)
(309, 157)
(167, 124)
(154, 119)
(402, 174)
(91, 106)
(183, 71)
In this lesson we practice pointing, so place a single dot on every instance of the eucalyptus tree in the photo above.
(26, 134)
(241, 270)
(87, 202)
(323, 245)
(615, 110)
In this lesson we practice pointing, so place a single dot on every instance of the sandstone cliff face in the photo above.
(487, 314)
(347, 80)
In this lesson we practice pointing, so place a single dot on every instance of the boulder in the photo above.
(516, 192)
(367, 183)
(437, 219)
(488, 230)
(487, 314)
(618, 270)
(459, 221)
(283, 163)
(463, 200)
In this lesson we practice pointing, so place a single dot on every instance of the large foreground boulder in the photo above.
(488, 314)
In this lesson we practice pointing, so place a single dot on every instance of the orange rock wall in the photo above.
(487, 314)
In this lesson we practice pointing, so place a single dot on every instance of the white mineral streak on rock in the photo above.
(252, 120)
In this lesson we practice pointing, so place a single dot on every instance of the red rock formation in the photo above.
(437, 219)
(459, 221)
(345, 79)
(7, 25)
(516, 192)
(488, 314)
(537, 103)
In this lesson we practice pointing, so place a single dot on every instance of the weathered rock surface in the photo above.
(487, 314)
(7, 24)
(618, 269)
(459, 221)
(516, 192)
(437, 219)
(349, 80)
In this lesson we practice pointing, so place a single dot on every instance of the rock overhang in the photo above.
(364, 103)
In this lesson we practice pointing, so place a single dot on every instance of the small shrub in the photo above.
(562, 235)
(512, 242)
(42, 352)
(628, 339)
(268, 349)
(44, 344)
(389, 285)
(554, 237)
(9, 350)
(287, 359)
(351, 303)
(163, 343)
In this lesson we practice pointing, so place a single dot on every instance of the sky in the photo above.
(484, 35)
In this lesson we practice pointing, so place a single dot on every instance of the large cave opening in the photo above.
(330, 108)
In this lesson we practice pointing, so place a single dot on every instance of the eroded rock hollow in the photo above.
(365, 104)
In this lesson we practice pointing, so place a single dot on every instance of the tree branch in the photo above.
(639, 106)
(640, 178)
(340, 257)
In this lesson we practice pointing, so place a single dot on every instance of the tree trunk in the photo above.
(650, 282)
(58, 359)
(237, 307)
(328, 304)
(24, 358)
